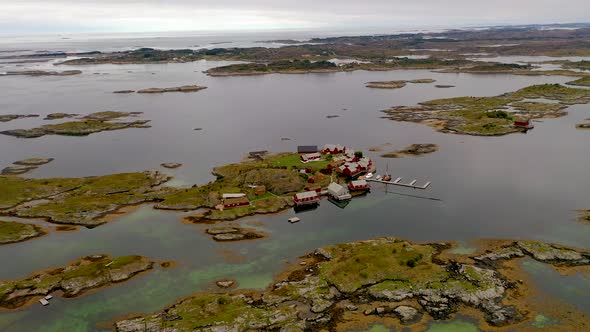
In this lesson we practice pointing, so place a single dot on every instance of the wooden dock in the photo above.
(397, 182)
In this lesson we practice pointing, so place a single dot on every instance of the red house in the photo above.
(358, 185)
(333, 149)
(350, 169)
(526, 124)
(235, 202)
(306, 198)
(311, 157)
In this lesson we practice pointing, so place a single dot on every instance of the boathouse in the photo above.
(306, 198)
(526, 124)
(333, 149)
(338, 192)
(358, 185)
(235, 202)
(365, 164)
(307, 149)
(311, 157)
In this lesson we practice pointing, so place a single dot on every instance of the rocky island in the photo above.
(412, 150)
(90, 124)
(184, 88)
(231, 233)
(490, 116)
(12, 232)
(24, 166)
(385, 278)
(42, 73)
(10, 117)
(78, 201)
(74, 279)
(584, 125)
(396, 84)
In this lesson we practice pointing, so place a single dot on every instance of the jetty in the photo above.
(398, 182)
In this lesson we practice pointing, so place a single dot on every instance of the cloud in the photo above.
(153, 15)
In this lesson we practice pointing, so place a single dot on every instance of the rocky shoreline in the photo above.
(491, 116)
(10, 117)
(74, 279)
(385, 278)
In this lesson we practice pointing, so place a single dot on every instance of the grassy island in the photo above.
(489, 116)
(279, 174)
(74, 279)
(78, 201)
(93, 123)
(12, 232)
(385, 278)
(584, 81)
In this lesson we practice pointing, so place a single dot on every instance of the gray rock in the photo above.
(407, 314)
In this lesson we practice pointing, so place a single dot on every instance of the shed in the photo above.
(307, 148)
(311, 157)
(235, 202)
(237, 195)
(308, 197)
(358, 185)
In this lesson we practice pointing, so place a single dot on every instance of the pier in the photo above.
(397, 182)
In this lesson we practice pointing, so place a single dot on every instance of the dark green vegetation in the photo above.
(381, 48)
(386, 277)
(412, 150)
(584, 81)
(396, 84)
(74, 279)
(93, 123)
(487, 116)
(11, 232)
(78, 201)
(322, 66)
(283, 67)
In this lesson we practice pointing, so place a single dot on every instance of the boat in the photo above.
(378, 178)
(369, 175)
(294, 220)
(387, 176)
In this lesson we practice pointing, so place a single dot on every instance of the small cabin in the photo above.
(306, 158)
(526, 124)
(358, 185)
(308, 197)
(235, 202)
(307, 149)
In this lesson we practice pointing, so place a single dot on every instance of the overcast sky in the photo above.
(34, 16)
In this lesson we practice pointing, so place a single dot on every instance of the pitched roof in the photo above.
(307, 194)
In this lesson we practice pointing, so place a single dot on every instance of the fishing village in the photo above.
(335, 172)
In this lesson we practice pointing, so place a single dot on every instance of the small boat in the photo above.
(369, 175)
(294, 220)
(44, 302)
(387, 176)
(378, 178)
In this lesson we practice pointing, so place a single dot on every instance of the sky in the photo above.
(70, 16)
